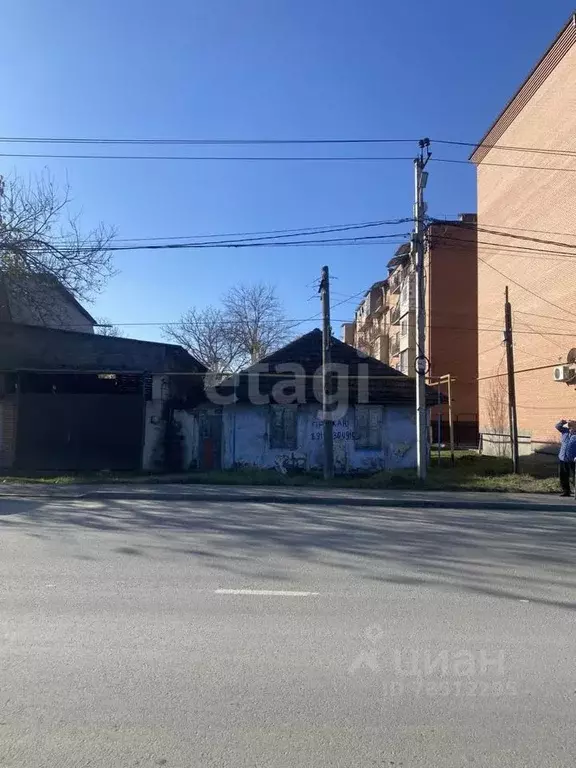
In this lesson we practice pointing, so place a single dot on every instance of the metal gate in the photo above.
(79, 431)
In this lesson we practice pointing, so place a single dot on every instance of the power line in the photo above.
(253, 243)
(506, 147)
(268, 158)
(523, 287)
(196, 142)
(257, 158)
(511, 235)
(454, 328)
(522, 370)
(525, 237)
(268, 142)
(503, 165)
(510, 249)
(521, 229)
(320, 229)
(546, 317)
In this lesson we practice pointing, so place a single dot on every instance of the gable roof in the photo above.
(540, 72)
(366, 376)
(37, 348)
(16, 304)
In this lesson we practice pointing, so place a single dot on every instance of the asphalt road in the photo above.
(204, 634)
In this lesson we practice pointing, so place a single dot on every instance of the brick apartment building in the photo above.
(384, 323)
(526, 221)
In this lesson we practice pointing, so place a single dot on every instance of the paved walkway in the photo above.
(284, 495)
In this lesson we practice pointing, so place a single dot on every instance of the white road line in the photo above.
(271, 592)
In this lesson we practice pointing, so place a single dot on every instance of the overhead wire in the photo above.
(502, 165)
(272, 141)
(252, 243)
(240, 158)
(295, 231)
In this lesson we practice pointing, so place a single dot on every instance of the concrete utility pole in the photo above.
(421, 363)
(513, 419)
(324, 291)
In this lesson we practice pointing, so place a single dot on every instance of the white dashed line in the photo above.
(261, 592)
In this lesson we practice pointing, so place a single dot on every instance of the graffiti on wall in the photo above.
(290, 462)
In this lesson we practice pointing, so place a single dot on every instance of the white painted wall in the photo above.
(245, 441)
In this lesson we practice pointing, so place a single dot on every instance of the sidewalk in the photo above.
(282, 495)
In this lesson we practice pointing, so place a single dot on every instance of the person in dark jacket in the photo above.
(567, 454)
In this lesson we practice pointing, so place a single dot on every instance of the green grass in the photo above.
(471, 472)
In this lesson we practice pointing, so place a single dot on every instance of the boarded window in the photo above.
(368, 426)
(283, 425)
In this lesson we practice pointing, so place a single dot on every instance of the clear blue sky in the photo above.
(253, 69)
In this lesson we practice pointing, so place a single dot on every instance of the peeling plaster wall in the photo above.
(245, 441)
(154, 425)
(188, 421)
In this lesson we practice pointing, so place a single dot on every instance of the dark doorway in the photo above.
(99, 427)
(210, 439)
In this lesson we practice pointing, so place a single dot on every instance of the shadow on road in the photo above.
(510, 553)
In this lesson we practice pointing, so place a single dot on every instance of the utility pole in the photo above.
(422, 364)
(451, 421)
(328, 427)
(513, 419)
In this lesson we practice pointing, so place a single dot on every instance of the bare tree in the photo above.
(106, 328)
(41, 244)
(206, 335)
(497, 411)
(257, 320)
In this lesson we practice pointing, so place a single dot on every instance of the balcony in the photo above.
(395, 281)
(407, 302)
(395, 315)
(395, 346)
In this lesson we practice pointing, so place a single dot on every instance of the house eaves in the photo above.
(539, 74)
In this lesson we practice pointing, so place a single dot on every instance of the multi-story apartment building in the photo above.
(385, 321)
(526, 239)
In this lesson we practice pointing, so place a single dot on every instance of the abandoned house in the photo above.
(80, 401)
(269, 415)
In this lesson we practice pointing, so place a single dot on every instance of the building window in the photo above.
(403, 327)
(404, 361)
(368, 427)
(283, 427)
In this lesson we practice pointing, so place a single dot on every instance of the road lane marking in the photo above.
(271, 592)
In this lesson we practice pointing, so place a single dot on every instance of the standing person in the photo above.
(567, 454)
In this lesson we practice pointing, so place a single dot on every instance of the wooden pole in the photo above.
(328, 427)
(512, 415)
(451, 421)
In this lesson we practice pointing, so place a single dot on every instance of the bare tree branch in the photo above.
(106, 328)
(257, 320)
(41, 245)
(206, 335)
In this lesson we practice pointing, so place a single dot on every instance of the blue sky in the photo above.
(257, 69)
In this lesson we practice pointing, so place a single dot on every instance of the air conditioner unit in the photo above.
(564, 373)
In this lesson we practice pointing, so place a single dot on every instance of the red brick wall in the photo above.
(535, 204)
(452, 340)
